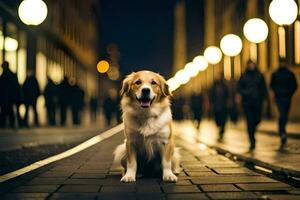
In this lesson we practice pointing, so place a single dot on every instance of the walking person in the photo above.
(284, 85)
(50, 94)
(10, 94)
(253, 90)
(64, 98)
(31, 91)
(219, 96)
(93, 108)
(77, 103)
(196, 102)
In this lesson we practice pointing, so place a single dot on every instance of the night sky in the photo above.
(143, 31)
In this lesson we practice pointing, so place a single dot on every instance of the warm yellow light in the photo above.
(231, 45)
(102, 66)
(113, 73)
(282, 45)
(283, 12)
(200, 62)
(256, 30)
(297, 42)
(182, 77)
(32, 12)
(191, 69)
(173, 84)
(10, 44)
(213, 54)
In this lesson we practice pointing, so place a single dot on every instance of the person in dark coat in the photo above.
(94, 108)
(50, 94)
(196, 102)
(284, 85)
(64, 98)
(31, 91)
(219, 96)
(253, 89)
(233, 101)
(10, 94)
(110, 106)
(77, 103)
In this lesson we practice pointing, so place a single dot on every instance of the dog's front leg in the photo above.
(131, 164)
(167, 154)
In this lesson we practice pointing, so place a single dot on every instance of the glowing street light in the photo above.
(200, 62)
(102, 66)
(231, 45)
(283, 12)
(32, 12)
(173, 84)
(191, 69)
(256, 30)
(213, 55)
(182, 77)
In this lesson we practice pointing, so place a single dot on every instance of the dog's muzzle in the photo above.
(145, 98)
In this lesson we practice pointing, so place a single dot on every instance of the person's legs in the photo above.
(26, 115)
(283, 108)
(249, 112)
(11, 116)
(63, 110)
(36, 117)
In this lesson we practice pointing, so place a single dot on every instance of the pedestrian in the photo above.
(51, 98)
(196, 102)
(30, 91)
(253, 90)
(284, 85)
(110, 106)
(64, 98)
(233, 101)
(177, 108)
(10, 94)
(94, 108)
(77, 103)
(219, 96)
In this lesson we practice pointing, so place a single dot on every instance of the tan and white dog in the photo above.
(147, 121)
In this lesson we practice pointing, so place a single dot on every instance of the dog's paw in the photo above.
(128, 178)
(169, 177)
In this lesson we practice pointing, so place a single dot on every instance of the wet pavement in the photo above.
(91, 174)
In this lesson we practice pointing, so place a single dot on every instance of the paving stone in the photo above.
(223, 165)
(88, 175)
(179, 182)
(79, 188)
(46, 181)
(82, 181)
(282, 197)
(148, 189)
(15, 196)
(56, 174)
(219, 188)
(147, 181)
(113, 196)
(36, 188)
(233, 195)
(233, 170)
(73, 196)
(118, 189)
(189, 196)
(264, 186)
(196, 168)
(202, 173)
(154, 196)
(180, 189)
(231, 179)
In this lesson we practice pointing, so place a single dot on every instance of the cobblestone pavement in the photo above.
(91, 174)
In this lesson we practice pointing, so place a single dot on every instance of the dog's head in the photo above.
(145, 87)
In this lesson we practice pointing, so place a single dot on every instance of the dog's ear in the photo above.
(126, 84)
(164, 87)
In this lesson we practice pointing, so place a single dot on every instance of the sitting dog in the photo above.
(147, 127)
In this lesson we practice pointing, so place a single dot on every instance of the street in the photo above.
(90, 174)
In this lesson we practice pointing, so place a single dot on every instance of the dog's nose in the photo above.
(145, 91)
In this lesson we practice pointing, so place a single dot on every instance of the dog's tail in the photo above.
(120, 154)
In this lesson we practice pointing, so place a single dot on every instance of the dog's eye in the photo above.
(153, 83)
(138, 82)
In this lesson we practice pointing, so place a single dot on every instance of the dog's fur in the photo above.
(147, 126)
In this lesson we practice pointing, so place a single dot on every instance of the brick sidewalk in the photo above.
(90, 174)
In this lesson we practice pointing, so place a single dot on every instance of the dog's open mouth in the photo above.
(145, 102)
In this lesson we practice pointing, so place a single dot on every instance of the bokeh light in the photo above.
(200, 62)
(256, 30)
(191, 69)
(32, 12)
(113, 73)
(102, 66)
(231, 45)
(213, 54)
(182, 76)
(283, 12)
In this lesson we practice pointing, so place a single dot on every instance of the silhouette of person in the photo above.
(196, 102)
(31, 91)
(50, 94)
(94, 108)
(110, 106)
(219, 96)
(10, 94)
(77, 103)
(233, 101)
(177, 108)
(284, 85)
(64, 98)
(252, 87)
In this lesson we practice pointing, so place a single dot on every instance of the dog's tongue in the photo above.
(145, 103)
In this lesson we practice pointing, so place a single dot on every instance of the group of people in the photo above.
(251, 91)
(62, 96)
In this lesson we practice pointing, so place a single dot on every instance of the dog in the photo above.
(147, 122)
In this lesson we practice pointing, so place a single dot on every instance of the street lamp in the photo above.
(32, 12)
(213, 55)
(200, 62)
(255, 31)
(231, 45)
(102, 66)
(182, 77)
(283, 13)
